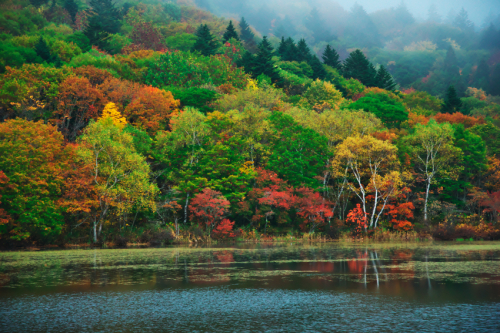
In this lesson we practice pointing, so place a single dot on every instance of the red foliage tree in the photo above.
(493, 204)
(209, 207)
(399, 214)
(78, 102)
(313, 208)
(358, 220)
(459, 118)
(4, 217)
(147, 36)
(224, 230)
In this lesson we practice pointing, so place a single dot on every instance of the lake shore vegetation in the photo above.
(159, 122)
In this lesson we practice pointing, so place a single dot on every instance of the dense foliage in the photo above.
(126, 119)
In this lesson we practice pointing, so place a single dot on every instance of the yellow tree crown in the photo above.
(111, 111)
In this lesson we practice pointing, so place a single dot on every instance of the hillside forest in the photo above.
(156, 121)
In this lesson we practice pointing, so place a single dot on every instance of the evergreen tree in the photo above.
(319, 71)
(452, 102)
(314, 23)
(331, 58)
(282, 49)
(247, 36)
(433, 15)
(247, 61)
(205, 43)
(462, 21)
(481, 77)
(105, 20)
(264, 63)
(303, 51)
(72, 8)
(230, 33)
(292, 53)
(384, 80)
(358, 67)
(280, 31)
(38, 3)
(42, 50)
(495, 81)
(490, 38)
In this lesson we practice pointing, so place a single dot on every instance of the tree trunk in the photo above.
(186, 208)
(426, 199)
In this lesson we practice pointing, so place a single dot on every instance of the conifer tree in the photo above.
(319, 71)
(230, 33)
(264, 63)
(358, 67)
(331, 58)
(42, 50)
(292, 52)
(452, 102)
(495, 81)
(205, 43)
(72, 8)
(104, 21)
(481, 77)
(303, 51)
(39, 3)
(384, 79)
(282, 49)
(247, 36)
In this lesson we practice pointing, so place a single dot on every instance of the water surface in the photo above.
(430, 287)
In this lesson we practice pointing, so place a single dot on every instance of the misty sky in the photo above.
(478, 9)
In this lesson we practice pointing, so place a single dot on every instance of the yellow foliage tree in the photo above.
(111, 111)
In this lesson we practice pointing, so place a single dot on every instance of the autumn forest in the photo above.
(166, 121)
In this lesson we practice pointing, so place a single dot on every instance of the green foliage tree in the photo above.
(120, 174)
(384, 79)
(303, 51)
(452, 102)
(72, 8)
(205, 43)
(105, 20)
(298, 154)
(331, 58)
(39, 3)
(230, 33)
(42, 50)
(390, 111)
(34, 159)
(358, 67)
(433, 154)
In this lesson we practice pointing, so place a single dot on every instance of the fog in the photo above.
(480, 12)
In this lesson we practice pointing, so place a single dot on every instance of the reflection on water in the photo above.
(295, 288)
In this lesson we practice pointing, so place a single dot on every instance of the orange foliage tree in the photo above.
(34, 159)
(458, 118)
(151, 109)
(4, 216)
(78, 102)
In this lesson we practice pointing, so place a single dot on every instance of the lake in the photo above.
(326, 287)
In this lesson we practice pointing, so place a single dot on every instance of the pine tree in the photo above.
(358, 67)
(314, 23)
(490, 38)
(103, 22)
(331, 58)
(72, 8)
(42, 50)
(264, 63)
(230, 33)
(452, 102)
(280, 31)
(39, 3)
(462, 21)
(247, 36)
(481, 77)
(292, 53)
(495, 81)
(303, 51)
(384, 79)
(319, 71)
(205, 43)
(282, 49)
